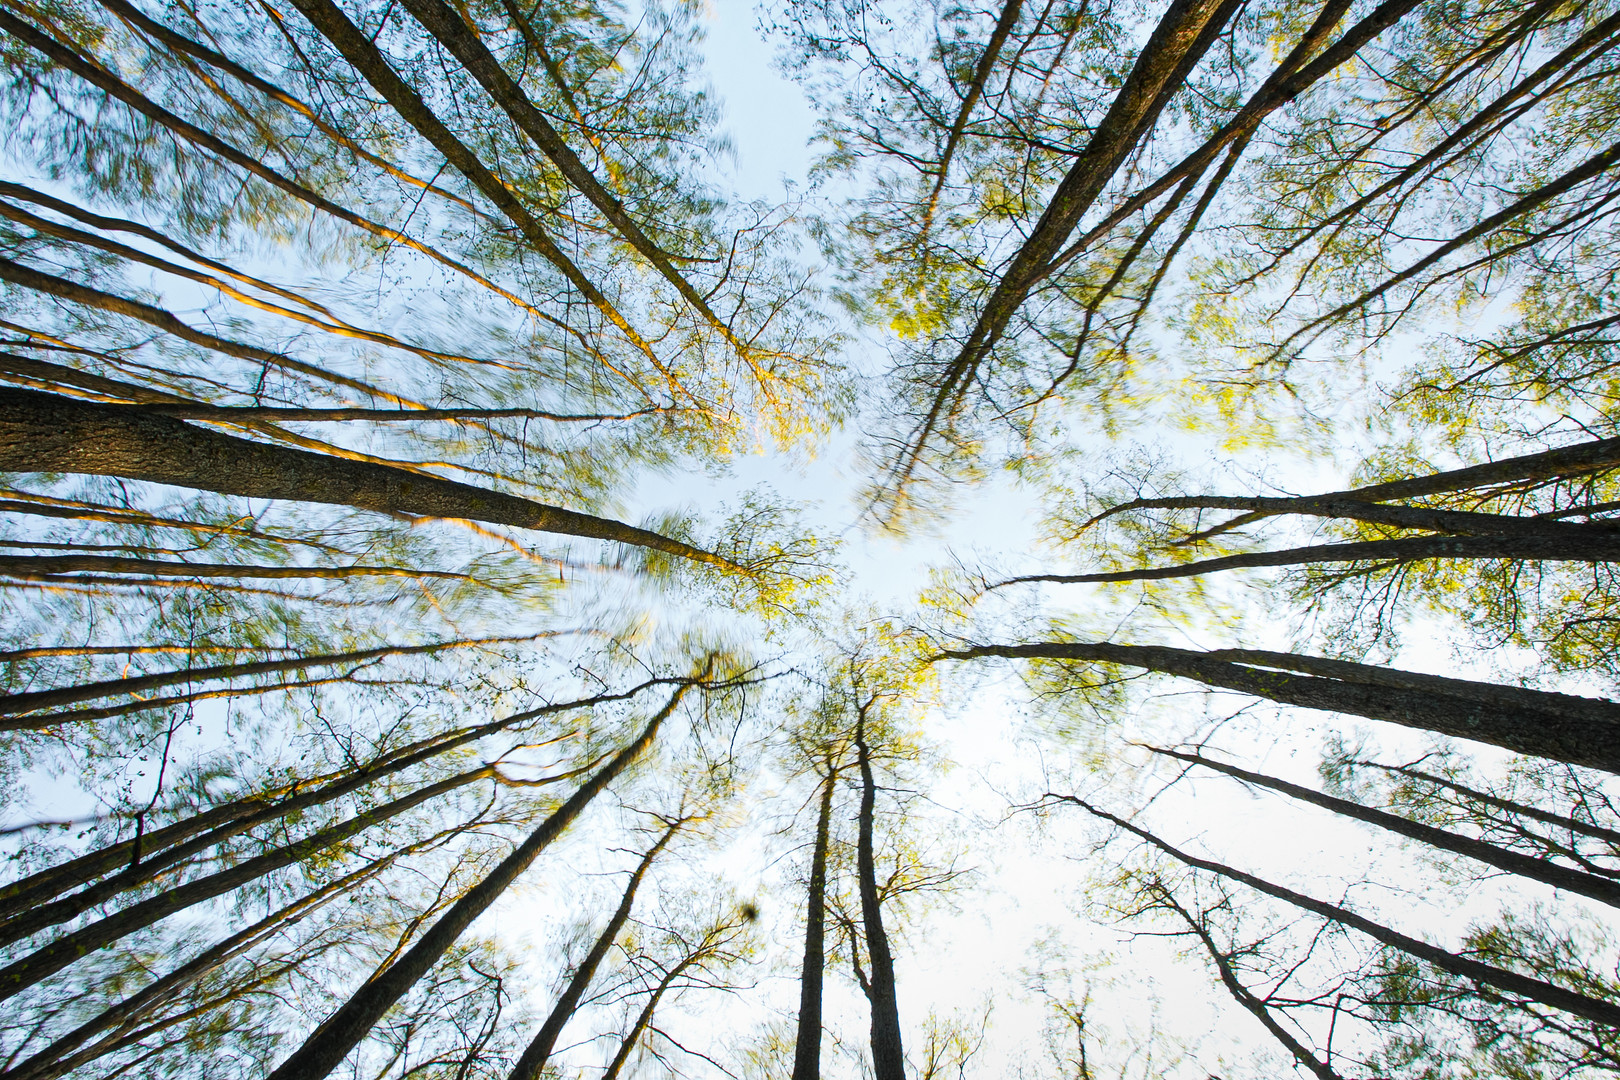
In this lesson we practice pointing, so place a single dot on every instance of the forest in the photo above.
(1104, 575)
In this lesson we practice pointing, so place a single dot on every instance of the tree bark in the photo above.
(49, 433)
(1557, 997)
(888, 1055)
(807, 1044)
(326, 1048)
(1535, 813)
(1549, 732)
(1514, 862)
(533, 1061)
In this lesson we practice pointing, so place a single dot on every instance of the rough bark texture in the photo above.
(48, 433)
(888, 1055)
(326, 1048)
(807, 1045)
(1557, 997)
(1514, 862)
(1549, 733)
(534, 1058)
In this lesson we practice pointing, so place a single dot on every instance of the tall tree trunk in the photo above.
(807, 1046)
(1535, 813)
(324, 1050)
(1576, 543)
(1553, 732)
(146, 856)
(1514, 862)
(48, 960)
(888, 1055)
(1557, 997)
(49, 433)
(533, 1061)
(63, 1054)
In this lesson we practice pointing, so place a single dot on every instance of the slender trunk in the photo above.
(33, 700)
(165, 847)
(1549, 732)
(970, 100)
(48, 960)
(1582, 543)
(644, 1019)
(326, 1048)
(1557, 997)
(49, 433)
(58, 567)
(452, 31)
(533, 1061)
(360, 51)
(1514, 862)
(63, 1055)
(118, 90)
(1183, 34)
(807, 1046)
(1535, 813)
(888, 1056)
(1456, 522)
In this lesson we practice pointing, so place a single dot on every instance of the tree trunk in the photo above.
(1557, 997)
(533, 1061)
(48, 960)
(60, 1058)
(807, 1046)
(888, 1056)
(1573, 543)
(1550, 732)
(1527, 866)
(644, 1019)
(48, 433)
(158, 850)
(326, 1048)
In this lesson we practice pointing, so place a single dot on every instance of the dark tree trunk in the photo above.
(1554, 732)
(1557, 997)
(644, 1019)
(1527, 866)
(1535, 813)
(48, 433)
(1570, 543)
(533, 1061)
(324, 1050)
(807, 1046)
(888, 1055)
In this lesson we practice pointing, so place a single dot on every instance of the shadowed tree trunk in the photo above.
(47, 961)
(888, 1055)
(158, 848)
(1528, 866)
(807, 1045)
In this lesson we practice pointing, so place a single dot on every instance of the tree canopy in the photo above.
(1176, 638)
